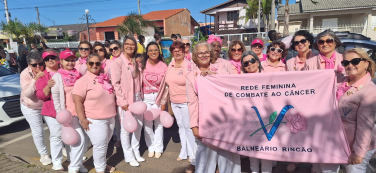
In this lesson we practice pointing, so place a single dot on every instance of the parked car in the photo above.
(59, 49)
(10, 91)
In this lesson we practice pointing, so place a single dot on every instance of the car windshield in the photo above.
(5, 72)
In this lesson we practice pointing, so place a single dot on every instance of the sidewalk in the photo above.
(10, 164)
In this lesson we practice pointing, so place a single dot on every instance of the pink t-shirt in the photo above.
(152, 76)
(175, 79)
(269, 68)
(69, 104)
(99, 103)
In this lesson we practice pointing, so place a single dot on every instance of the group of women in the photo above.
(99, 98)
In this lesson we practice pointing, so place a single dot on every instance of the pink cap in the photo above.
(66, 54)
(257, 41)
(49, 53)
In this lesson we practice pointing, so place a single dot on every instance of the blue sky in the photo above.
(68, 11)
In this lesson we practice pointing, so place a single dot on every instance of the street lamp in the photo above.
(86, 17)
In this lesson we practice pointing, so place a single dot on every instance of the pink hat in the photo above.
(48, 53)
(66, 54)
(257, 41)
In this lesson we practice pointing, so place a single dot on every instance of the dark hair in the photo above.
(305, 34)
(272, 34)
(141, 37)
(281, 46)
(116, 42)
(107, 40)
(246, 53)
(222, 37)
(32, 43)
(144, 60)
(178, 35)
(130, 37)
(173, 36)
(233, 43)
(157, 37)
(87, 43)
(44, 45)
(330, 33)
(177, 45)
(104, 49)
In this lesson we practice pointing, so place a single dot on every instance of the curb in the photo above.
(14, 158)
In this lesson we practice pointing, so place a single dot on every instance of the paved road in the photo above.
(16, 140)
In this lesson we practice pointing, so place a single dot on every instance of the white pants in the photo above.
(76, 151)
(131, 146)
(325, 168)
(34, 118)
(185, 132)
(100, 134)
(266, 165)
(360, 168)
(153, 139)
(56, 143)
(207, 160)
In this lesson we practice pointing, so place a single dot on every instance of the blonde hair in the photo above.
(363, 54)
(195, 51)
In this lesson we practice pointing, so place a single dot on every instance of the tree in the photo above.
(134, 24)
(251, 11)
(13, 28)
(287, 17)
(36, 30)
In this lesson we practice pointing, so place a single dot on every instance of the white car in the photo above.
(10, 91)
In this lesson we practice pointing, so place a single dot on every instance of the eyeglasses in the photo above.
(129, 45)
(98, 50)
(177, 51)
(246, 63)
(187, 44)
(201, 54)
(113, 49)
(296, 43)
(237, 50)
(257, 46)
(71, 60)
(38, 64)
(96, 63)
(354, 61)
(328, 41)
(273, 49)
(83, 49)
(49, 58)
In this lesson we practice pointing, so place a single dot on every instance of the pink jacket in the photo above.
(225, 63)
(291, 63)
(48, 108)
(163, 94)
(192, 96)
(358, 113)
(314, 64)
(122, 80)
(28, 96)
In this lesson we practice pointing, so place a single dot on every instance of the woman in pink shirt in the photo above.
(251, 63)
(302, 42)
(126, 77)
(153, 70)
(173, 86)
(84, 48)
(96, 108)
(207, 158)
(275, 51)
(187, 51)
(31, 106)
(216, 44)
(99, 48)
(235, 52)
(357, 105)
(43, 92)
(65, 78)
(257, 46)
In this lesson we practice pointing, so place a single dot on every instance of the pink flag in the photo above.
(287, 116)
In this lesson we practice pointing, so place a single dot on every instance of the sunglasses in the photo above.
(83, 49)
(246, 63)
(96, 64)
(296, 43)
(187, 44)
(37, 64)
(72, 60)
(98, 50)
(354, 61)
(113, 49)
(273, 49)
(237, 50)
(50, 58)
(257, 46)
(328, 41)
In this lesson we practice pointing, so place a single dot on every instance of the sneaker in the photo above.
(58, 167)
(83, 169)
(158, 155)
(134, 163)
(140, 159)
(64, 151)
(151, 154)
(45, 159)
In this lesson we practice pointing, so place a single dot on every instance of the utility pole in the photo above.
(7, 16)
(258, 17)
(139, 9)
(272, 22)
(36, 8)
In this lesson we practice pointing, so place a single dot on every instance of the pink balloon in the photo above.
(287, 41)
(83, 69)
(152, 114)
(69, 135)
(166, 119)
(129, 122)
(64, 117)
(138, 108)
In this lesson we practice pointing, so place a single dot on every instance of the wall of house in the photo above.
(342, 19)
(179, 23)
(222, 16)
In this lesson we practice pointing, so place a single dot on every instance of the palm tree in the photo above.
(134, 24)
(13, 28)
(287, 17)
(251, 11)
(36, 30)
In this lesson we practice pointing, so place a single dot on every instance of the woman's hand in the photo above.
(125, 107)
(51, 83)
(85, 124)
(355, 159)
(195, 133)
(163, 107)
(39, 75)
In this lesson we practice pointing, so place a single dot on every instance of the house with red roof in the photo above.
(167, 21)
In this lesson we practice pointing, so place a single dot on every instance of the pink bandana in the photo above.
(329, 63)
(237, 65)
(342, 90)
(213, 38)
(188, 56)
(103, 79)
(82, 60)
(69, 77)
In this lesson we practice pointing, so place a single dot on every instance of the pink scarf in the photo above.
(103, 79)
(82, 60)
(342, 90)
(329, 63)
(237, 65)
(69, 77)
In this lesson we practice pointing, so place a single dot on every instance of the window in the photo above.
(232, 15)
